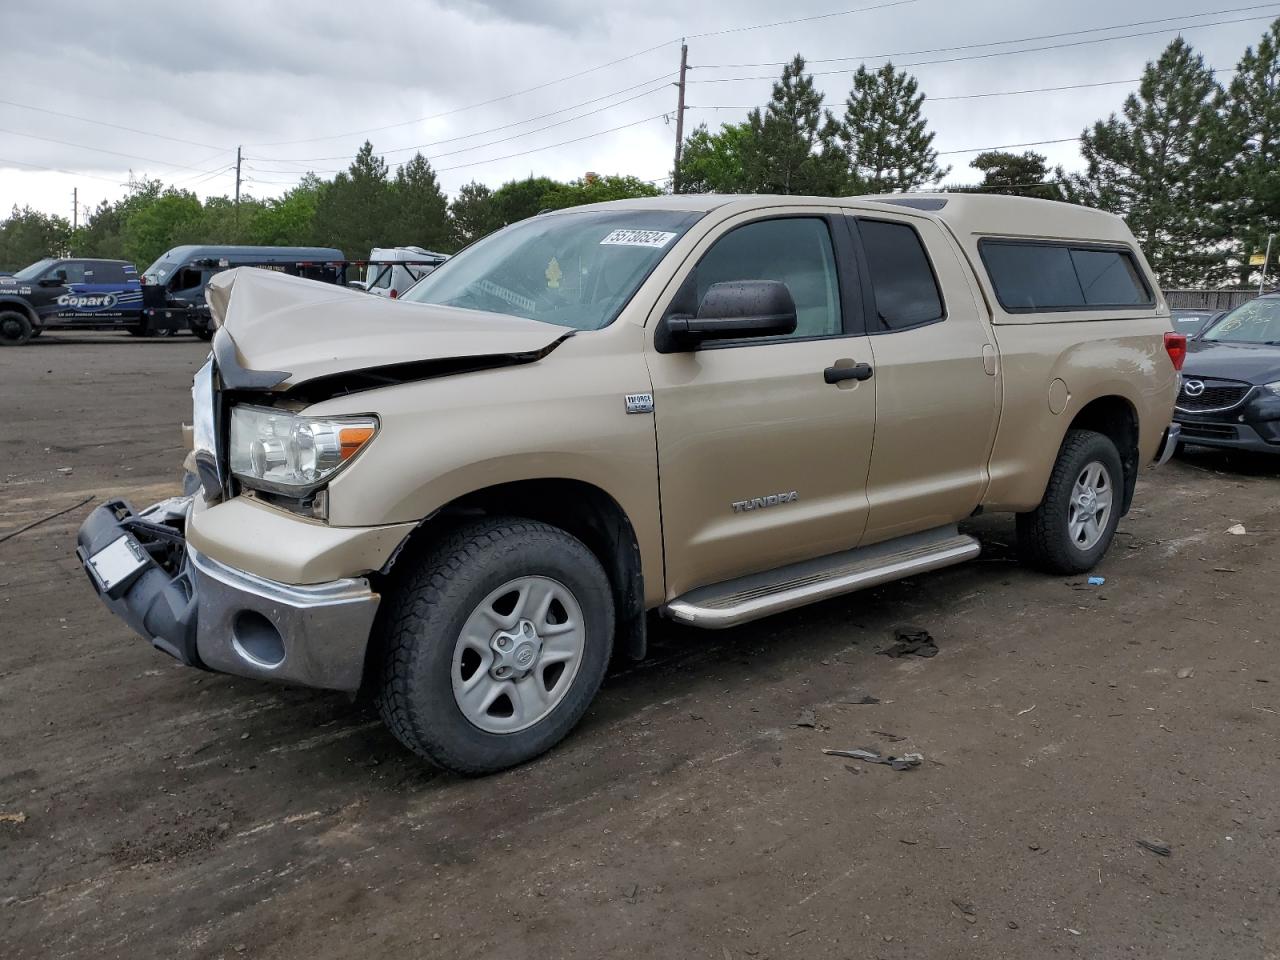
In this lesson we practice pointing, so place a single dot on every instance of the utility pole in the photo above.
(1266, 259)
(238, 193)
(75, 207)
(684, 66)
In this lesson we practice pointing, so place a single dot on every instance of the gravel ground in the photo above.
(149, 810)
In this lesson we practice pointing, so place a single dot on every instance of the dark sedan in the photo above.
(1230, 394)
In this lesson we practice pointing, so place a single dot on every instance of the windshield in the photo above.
(159, 271)
(1257, 321)
(33, 271)
(574, 269)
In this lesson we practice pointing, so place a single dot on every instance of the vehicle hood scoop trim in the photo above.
(313, 340)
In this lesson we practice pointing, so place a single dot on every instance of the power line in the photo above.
(966, 96)
(69, 173)
(549, 146)
(787, 23)
(1008, 53)
(104, 123)
(1008, 146)
(996, 43)
(581, 73)
(558, 123)
(114, 153)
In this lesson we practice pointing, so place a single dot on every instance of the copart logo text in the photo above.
(87, 301)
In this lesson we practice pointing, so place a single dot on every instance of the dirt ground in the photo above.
(149, 810)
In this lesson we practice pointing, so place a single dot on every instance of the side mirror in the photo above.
(733, 310)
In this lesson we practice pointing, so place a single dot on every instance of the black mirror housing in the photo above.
(733, 310)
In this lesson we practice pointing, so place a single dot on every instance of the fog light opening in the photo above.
(257, 640)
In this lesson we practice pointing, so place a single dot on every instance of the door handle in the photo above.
(859, 371)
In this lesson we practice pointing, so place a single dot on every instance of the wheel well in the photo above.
(578, 508)
(20, 307)
(1115, 417)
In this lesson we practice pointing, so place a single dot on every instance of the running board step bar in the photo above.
(760, 595)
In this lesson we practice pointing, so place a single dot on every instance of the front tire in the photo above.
(15, 328)
(1073, 526)
(494, 644)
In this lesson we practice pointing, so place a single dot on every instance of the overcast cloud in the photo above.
(222, 74)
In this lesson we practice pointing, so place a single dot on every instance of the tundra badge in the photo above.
(772, 500)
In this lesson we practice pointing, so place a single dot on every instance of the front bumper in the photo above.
(216, 617)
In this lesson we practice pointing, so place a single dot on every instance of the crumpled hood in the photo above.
(1251, 363)
(314, 330)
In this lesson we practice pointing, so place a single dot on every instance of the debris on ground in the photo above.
(970, 914)
(1097, 581)
(858, 698)
(1028, 710)
(908, 761)
(911, 640)
(1158, 847)
(18, 817)
(807, 718)
(1186, 673)
(1237, 530)
(891, 737)
(45, 519)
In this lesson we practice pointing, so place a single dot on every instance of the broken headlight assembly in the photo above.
(285, 453)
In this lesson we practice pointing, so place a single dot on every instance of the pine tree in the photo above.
(1016, 175)
(789, 148)
(354, 208)
(1158, 166)
(884, 136)
(420, 210)
(1251, 176)
(472, 214)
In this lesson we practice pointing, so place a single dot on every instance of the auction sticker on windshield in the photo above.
(638, 238)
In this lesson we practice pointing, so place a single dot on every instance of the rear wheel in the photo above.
(15, 328)
(1073, 526)
(494, 645)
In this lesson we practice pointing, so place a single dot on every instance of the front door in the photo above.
(761, 460)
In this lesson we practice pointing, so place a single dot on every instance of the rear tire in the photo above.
(1073, 526)
(15, 328)
(446, 689)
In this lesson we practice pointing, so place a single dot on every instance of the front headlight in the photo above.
(1273, 388)
(288, 453)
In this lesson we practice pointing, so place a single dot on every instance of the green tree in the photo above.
(1016, 175)
(421, 212)
(153, 227)
(355, 208)
(288, 220)
(1158, 165)
(715, 162)
(1250, 181)
(884, 136)
(26, 235)
(102, 233)
(791, 149)
(472, 214)
(521, 199)
(594, 188)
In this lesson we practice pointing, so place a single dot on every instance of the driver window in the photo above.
(74, 272)
(794, 250)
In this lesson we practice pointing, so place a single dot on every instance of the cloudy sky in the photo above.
(495, 89)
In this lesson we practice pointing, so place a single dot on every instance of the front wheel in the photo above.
(1072, 528)
(15, 329)
(494, 645)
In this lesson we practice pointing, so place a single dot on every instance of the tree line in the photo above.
(363, 207)
(1189, 162)
(1193, 165)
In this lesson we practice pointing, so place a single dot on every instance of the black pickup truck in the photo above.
(70, 294)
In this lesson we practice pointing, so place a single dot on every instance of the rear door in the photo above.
(936, 375)
(761, 461)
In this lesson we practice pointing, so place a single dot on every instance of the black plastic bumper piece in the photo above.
(158, 603)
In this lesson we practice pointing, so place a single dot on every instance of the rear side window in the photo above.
(105, 273)
(902, 281)
(1029, 277)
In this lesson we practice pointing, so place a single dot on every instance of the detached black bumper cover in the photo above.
(159, 601)
(216, 617)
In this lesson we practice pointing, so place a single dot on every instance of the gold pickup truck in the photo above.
(465, 501)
